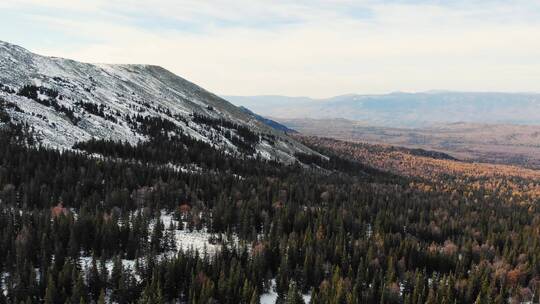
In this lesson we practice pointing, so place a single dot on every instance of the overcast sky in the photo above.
(300, 48)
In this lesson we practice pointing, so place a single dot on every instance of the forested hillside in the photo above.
(173, 220)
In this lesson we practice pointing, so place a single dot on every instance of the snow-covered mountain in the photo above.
(66, 101)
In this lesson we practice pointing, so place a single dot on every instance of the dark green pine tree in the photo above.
(51, 294)
(79, 290)
(94, 280)
(101, 298)
(293, 295)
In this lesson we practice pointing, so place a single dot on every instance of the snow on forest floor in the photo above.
(271, 296)
(3, 286)
(190, 240)
(185, 240)
(86, 263)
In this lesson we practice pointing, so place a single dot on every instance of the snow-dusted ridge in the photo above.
(120, 91)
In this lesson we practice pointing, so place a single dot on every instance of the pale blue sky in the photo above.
(311, 48)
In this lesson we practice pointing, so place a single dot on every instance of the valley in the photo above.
(486, 143)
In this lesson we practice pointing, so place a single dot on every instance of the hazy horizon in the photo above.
(434, 91)
(296, 48)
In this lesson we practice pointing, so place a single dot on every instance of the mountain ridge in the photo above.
(400, 109)
(73, 101)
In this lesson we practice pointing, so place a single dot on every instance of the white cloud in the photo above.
(307, 48)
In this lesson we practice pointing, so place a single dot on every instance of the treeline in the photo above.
(219, 130)
(98, 110)
(241, 136)
(47, 97)
(335, 163)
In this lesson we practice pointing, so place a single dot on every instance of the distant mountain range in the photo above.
(403, 109)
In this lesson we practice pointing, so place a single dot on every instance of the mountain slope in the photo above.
(66, 101)
(269, 122)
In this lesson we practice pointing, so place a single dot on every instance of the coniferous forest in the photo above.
(110, 222)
